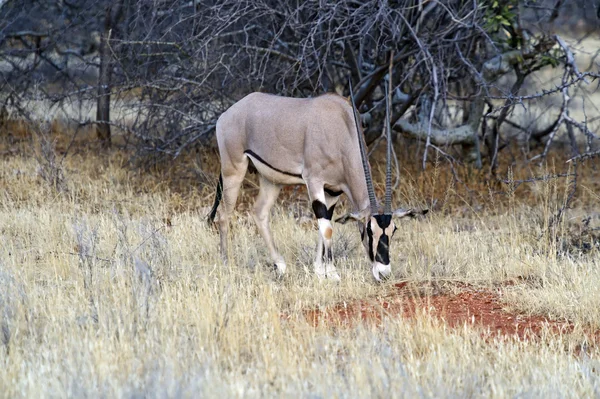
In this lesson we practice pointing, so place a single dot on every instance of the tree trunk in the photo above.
(104, 78)
(111, 18)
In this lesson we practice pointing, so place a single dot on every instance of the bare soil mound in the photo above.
(475, 307)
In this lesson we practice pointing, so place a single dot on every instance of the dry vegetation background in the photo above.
(112, 286)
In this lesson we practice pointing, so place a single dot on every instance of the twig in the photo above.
(570, 58)
(584, 156)
(517, 183)
(561, 118)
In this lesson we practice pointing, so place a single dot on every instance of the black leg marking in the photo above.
(321, 211)
(326, 254)
(330, 212)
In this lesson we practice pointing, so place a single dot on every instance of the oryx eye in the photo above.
(393, 232)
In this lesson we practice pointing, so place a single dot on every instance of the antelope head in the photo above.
(377, 226)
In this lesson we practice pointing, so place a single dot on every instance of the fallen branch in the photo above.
(464, 135)
(441, 137)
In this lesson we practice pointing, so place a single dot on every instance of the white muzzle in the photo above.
(381, 271)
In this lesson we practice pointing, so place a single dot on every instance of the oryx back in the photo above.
(289, 139)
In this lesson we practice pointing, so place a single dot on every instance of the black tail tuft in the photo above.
(218, 196)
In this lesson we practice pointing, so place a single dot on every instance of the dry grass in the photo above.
(112, 287)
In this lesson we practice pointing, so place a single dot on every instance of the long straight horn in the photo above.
(387, 210)
(363, 155)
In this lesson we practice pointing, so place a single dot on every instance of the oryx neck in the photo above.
(357, 189)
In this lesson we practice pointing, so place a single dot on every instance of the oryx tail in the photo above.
(218, 196)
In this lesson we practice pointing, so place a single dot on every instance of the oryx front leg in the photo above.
(264, 202)
(323, 210)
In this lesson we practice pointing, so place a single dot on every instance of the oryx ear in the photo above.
(402, 213)
(358, 216)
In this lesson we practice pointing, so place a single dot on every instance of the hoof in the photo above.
(320, 271)
(280, 268)
(331, 273)
(326, 272)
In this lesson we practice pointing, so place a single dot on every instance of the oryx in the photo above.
(314, 141)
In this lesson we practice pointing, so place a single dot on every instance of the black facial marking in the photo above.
(383, 246)
(333, 193)
(320, 209)
(383, 221)
(370, 236)
(383, 250)
(258, 158)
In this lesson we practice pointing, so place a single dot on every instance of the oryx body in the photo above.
(312, 141)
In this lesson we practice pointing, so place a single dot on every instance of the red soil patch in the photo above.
(476, 308)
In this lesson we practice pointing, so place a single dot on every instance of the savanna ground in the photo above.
(111, 285)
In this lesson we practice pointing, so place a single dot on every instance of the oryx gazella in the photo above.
(313, 141)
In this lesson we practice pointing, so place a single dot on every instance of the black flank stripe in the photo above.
(250, 152)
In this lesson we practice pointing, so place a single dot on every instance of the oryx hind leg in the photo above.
(323, 205)
(233, 176)
(262, 208)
